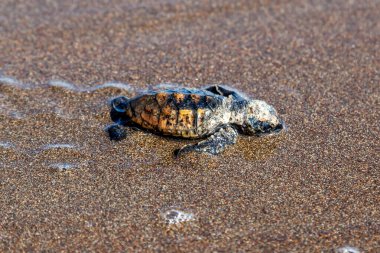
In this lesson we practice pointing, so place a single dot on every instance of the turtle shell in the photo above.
(179, 112)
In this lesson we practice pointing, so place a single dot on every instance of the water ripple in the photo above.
(14, 82)
(67, 85)
(63, 84)
(116, 85)
(165, 86)
(70, 86)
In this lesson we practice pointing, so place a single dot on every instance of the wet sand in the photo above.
(66, 187)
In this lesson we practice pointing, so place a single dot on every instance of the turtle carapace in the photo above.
(215, 114)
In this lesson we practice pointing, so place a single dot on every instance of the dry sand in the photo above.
(66, 187)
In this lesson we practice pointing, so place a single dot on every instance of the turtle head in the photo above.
(119, 107)
(261, 118)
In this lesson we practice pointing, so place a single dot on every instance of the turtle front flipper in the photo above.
(214, 144)
(116, 132)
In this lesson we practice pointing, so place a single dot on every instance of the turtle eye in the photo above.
(120, 104)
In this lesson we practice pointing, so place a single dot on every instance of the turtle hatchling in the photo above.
(216, 114)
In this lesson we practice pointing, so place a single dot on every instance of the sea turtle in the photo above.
(216, 114)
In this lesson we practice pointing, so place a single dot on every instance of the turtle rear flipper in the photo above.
(214, 144)
(225, 92)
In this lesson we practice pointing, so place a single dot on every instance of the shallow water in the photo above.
(66, 186)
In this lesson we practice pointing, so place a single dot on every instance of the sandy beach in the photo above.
(65, 187)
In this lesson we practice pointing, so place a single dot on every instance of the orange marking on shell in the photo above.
(145, 116)
(162, 124)
(146, 125)
(142, 100)
(179, 97)
(185, 134)
(171, 123)
(201, 116)
(188, 134)
(196, 98)
(167, 110)
(162, 98)
(150, 114)
(168, 120)
(186, 119)
(149, 118)
(150, 107)
(176, 132)
(138, 120)
(139, 109)
(129, 112)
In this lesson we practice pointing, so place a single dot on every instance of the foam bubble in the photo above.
(173, 216)
(62, 166)
(347, 249)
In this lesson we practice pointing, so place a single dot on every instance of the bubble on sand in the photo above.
(62, 166)
(173, 216)
(347, 249)
(16, 115)
(6, 144)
